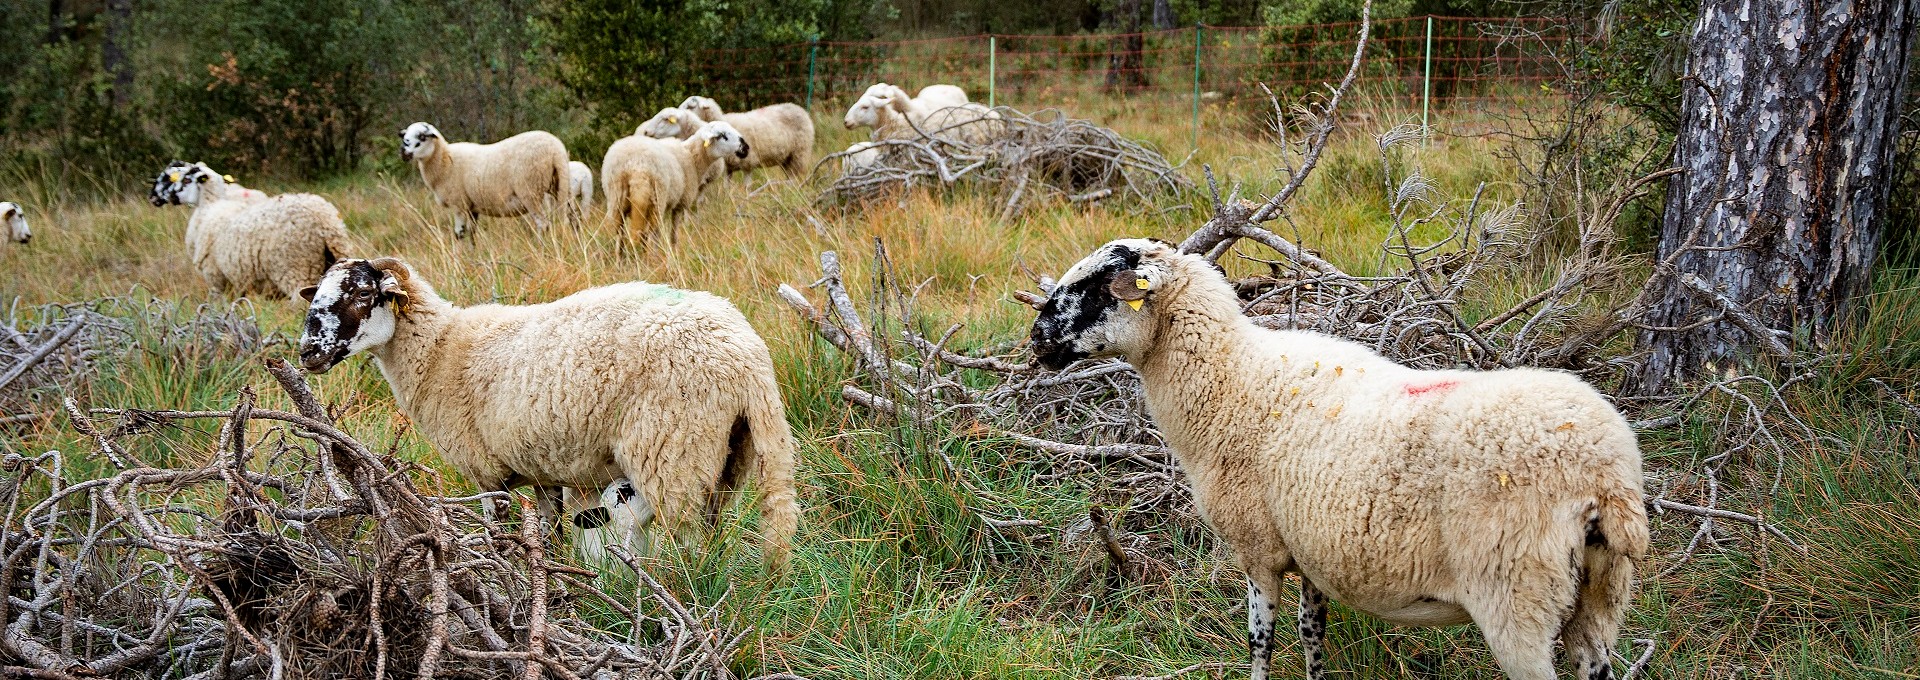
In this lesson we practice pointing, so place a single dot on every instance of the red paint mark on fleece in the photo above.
(1423, 390)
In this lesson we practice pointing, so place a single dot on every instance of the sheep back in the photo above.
(282, 243)
(508, 178)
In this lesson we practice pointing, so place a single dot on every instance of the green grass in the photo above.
(894, 576)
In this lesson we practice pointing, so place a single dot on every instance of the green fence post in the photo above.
(1426, 90)
(993, 53)
(1199, 33)
(813, 52)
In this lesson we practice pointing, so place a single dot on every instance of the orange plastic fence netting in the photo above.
(1439, 62)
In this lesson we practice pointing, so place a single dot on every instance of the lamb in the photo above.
(16, 220)
(651, 183)
(582, 179)
(620, 518)
(781, 134)
(892, 115)
(521, 175)
(671, 389)
(674, 122)
(1510, 498)
(930, 97)
(281, 243)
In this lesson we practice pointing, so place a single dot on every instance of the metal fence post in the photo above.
(1199, 38)
(993, 55)
(1426, 93)
(813, 53)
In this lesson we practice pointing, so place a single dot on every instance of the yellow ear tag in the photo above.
(228, 178)
(673, 119)
(708, 144)
(1142, 283)
(1135, 304)
(173, 177)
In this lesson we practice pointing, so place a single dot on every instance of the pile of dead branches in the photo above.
(294, 550)
(59, 348)
(1021, 157)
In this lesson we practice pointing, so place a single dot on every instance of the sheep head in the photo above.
(718, 139)
(16, 220)
(354, 307)
(703, 108)
(182, 183)
(669, 123)
(867, 111)
(416, 142)
(1099, 308)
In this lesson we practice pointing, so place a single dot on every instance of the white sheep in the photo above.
(525, 174)
(669, 388)
(1511, 498)
(674, 122)
(582, 179)
(858, 157)
(281, 243)
(651, 183)
(892, 115)
(931, 97)
(16, 220)
(781, 134)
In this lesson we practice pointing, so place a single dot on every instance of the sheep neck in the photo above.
(435, 168)
(1191, 365)
(406, 359)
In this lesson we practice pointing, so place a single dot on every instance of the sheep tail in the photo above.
(1622, 523)
(1616, 537)
(772, 445)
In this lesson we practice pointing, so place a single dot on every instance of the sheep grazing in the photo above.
(581, 177)
(16, 220)
(1510, 498)
(651, 183)
(525, 174)
(892, 115)
(781, 134)
(281, 243)
(668, 388)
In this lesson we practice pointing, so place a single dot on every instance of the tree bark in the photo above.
(1791, 112)
(1163, 18)
(113, 51)
(1125, 67)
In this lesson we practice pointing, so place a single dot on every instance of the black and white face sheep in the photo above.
(16, 220)
(1511, 499)
(621, 518)
(670, 389)
(242, 240)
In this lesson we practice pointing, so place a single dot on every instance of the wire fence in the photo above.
(1424, 63)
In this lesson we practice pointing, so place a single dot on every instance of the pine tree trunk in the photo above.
(1163, 15)
(1786, 140)
(1125, 67)
(113, 51)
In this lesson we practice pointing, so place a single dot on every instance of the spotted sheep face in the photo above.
(183, 183)
(416, 142)
(719, 139)
(1102, 306)
(669, 123)
(702, 108)
(621, 506)
(353, 308)
(16, 220)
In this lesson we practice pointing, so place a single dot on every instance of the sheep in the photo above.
(931, 97)
(893, 116)
(582, 178)
(520, 175)
(650, 183)
(16, 220)
(781, 134)
(674, 122)
(278, 243)
(858, 157)
(619, 518)
(1509, 498)
(671, 389)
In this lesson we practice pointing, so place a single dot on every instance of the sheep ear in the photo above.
(307, 293)
(1130, 286)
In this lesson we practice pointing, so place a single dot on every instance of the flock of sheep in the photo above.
(1511, 499)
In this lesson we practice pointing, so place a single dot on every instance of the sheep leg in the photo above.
(1260, 614)
(1312, 625)
(552, 506)
(461, 222)
(1520, 632)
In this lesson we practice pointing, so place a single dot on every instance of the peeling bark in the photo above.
(1787, 135)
